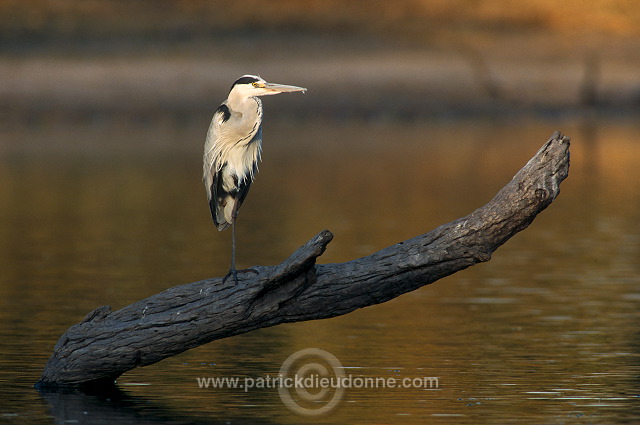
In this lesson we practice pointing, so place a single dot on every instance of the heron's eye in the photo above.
(255, 84)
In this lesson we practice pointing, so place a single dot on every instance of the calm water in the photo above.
(546, 332)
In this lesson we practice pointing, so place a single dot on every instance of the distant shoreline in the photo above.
(362, 77)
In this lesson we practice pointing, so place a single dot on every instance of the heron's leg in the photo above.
(232, 271)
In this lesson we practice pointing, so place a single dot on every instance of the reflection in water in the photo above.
(114, 406)
(544, 332)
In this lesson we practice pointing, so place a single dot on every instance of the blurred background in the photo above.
(417, 113)
(369, 60)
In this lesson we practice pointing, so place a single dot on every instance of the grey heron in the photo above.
(232, 151)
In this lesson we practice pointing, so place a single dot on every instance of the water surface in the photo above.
(109, 212)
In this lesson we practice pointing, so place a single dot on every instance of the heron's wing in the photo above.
(212, 168)
(228, 165)
(218, 199)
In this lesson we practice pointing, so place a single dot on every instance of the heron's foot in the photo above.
(234, 273)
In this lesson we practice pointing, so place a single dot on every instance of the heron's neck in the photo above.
(246, 116)
(244, 105)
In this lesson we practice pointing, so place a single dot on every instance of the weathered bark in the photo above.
(106, 344)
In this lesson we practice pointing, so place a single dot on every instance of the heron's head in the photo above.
(252, 85)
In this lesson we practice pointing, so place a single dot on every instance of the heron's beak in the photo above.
(281, 88)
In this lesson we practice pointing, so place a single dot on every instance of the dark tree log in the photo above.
(106, 344)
